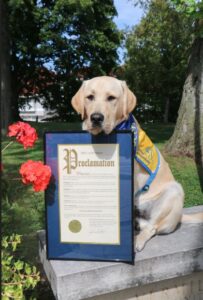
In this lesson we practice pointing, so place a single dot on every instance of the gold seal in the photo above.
(75, 226)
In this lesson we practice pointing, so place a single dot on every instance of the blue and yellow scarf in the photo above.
(145, 152)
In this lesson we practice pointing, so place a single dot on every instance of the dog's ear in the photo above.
(129, 100)
(78, 101)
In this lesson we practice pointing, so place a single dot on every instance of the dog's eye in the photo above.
(90, 97)
(111, 98)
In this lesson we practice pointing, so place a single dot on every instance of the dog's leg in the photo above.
(146, 232)
(164, 214)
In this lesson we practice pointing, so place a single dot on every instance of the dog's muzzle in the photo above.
(97, 119)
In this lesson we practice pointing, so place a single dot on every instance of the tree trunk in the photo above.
(5, 68)
(187, 138)
(14, 98)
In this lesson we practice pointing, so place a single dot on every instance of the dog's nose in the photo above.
(97, 118)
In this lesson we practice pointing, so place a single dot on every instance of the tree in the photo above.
(63, 36)
(5, 67)
(187, 138)
(25, 21)
(156, 60)
(92, 40)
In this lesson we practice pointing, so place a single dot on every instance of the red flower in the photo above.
(36, 173)
(25, 134)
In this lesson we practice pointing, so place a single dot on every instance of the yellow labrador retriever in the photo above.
(105, 102)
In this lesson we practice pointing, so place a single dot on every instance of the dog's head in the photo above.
(103, 102)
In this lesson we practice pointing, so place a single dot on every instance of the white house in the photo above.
(34, 111)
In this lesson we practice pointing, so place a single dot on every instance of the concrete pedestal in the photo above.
(165, 261)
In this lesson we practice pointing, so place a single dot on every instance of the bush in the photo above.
(17, 275)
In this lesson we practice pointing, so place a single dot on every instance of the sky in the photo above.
(128, 16)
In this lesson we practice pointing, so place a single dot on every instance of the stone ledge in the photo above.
(164, 257)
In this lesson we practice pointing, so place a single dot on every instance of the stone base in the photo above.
(170, 267)
(180, 288)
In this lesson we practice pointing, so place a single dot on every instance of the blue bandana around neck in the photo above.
(130, 124)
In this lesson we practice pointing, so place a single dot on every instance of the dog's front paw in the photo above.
(139, 243)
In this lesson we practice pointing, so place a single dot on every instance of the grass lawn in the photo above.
(25, 213)
(183, 168)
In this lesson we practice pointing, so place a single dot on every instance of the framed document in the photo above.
(89, 201)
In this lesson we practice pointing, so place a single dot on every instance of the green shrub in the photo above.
(17, 275)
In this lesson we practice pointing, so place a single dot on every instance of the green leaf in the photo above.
(19, 265)
(29, 281)
(4, 243)
(27, 269)
(18, 291)
(6, 274)
(9, 259)
(14, 245)
(5, 298)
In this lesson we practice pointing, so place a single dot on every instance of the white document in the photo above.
(89, 193)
